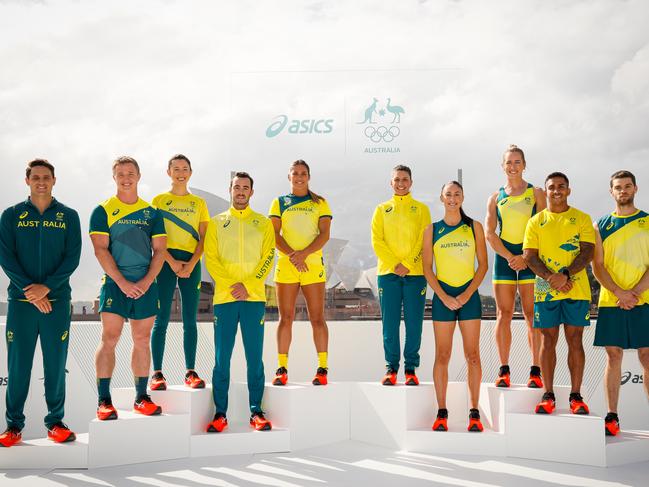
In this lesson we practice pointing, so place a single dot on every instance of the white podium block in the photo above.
(134, 438)
(297, 408)
(177, 399)
(382, 415)
(557, 437)
(457, 440)
(44, 453)
(627, 447)
(496, 402)
(238, 439)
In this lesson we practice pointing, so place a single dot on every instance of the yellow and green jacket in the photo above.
(397, 233)
(239, 247)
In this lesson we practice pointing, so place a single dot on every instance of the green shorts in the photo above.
(623, 328)
(550, 314)
(503, 274)
(472, 309)
(113, 300)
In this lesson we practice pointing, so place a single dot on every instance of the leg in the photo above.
(55, 338)
(252, 332)
(470, 330)
(414, 300)
(190, 291)
(226, 318)
(526, 292)
(443, 345)
(111, 329)
(643, 356)
(21, 336)
(505, 296)
(166, 287)
(612, 377)
(549, 338)
(314, 296)
(286, 297)
(390, 300)
(141, 355)
(576, 355)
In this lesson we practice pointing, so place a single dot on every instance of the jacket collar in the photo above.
(402, 199)
(241, 214)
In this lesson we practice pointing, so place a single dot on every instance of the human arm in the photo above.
(69, 263)
(415, 255)
(483, 264)
(100, 244)
(298, 257)
(264, 264)
(9, 253)
(541, 199)
(516, 262)
(188, 267)
(379, 245)
(159, 246)
(427, 261)
(627, 299)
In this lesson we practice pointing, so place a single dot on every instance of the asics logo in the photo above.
(116, 212)
(225, 225)
(609, 226)
(388, 210)
(168, 203)
(441, 230)
(64, 336)
(23, 215)
(503, 202)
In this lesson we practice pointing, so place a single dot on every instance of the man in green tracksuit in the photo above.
(40, 246)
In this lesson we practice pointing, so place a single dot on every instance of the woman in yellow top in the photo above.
(301, 220)
(454, 244)
(510, 209)
(186, 218)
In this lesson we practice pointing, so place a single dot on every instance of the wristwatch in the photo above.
(565, 272)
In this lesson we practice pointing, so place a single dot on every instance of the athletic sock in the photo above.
(322, 360)
(535, 370)
(140, 386)
(282, 360)
(504, 369)
(103, 388)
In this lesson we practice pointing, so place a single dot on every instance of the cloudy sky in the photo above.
(83, 82)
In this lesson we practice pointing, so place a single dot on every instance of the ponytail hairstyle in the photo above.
(315, 197)
(515, 148)
(466, 219)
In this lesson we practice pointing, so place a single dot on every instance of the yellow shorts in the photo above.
(286, 273)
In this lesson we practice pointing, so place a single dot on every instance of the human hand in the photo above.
(626, 299)
(450, 302)
(36, 292)
(401, 270)
(298, 258)
(557, 280)
(239, 292)
(517, 263)
(43, 305)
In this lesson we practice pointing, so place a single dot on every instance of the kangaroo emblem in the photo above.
(369, 111)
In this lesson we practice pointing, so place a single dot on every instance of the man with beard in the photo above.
(620, 265)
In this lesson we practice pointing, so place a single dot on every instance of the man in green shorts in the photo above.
(620, 265)
(129, 238)
(558, 245)
(40, 246)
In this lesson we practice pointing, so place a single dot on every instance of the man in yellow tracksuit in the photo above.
(239, 252)
(397, 233)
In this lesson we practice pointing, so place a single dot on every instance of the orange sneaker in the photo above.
(144, 405)
(60, 433)
(158, 382)
(106, 411)
(535, 382)
(475, 425)
(411, 378)
(441, 422)
(10, 437)
(259, 423)
(577, 404)
(193, 381)
(547, 404)
(503, 379)
(611, 424)
(281, 377)
(218, 424)
(390, 378)
(320, 378)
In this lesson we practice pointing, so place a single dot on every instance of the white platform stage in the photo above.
(351, 407)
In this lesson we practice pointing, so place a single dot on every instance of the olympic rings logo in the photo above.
(382, 133)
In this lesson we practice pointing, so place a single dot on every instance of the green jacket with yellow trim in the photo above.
(40, 249)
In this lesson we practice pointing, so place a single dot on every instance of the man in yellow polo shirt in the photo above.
(558, 245)
(239, 252)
